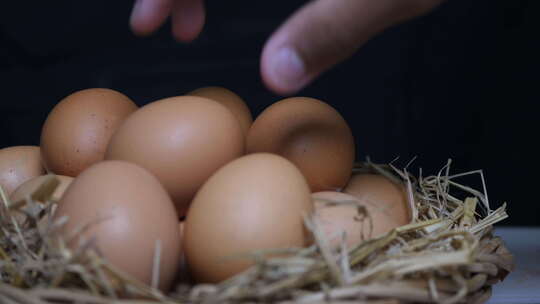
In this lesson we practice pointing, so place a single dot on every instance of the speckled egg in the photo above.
(78, 129)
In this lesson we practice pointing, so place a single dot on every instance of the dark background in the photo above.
(458, 83)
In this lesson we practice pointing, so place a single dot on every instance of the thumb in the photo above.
(325, 32)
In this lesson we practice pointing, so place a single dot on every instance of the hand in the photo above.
(187, 17)
(319, 35)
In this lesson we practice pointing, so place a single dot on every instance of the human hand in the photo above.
(187, 17)
(319, 35)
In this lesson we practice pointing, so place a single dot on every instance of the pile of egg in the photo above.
(196, 176)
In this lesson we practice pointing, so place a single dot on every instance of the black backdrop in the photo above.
(458, 83)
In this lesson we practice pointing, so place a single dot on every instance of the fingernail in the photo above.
(288, 70)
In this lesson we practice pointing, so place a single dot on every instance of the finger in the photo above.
(325, 32)
(149, 15)
(188, 18)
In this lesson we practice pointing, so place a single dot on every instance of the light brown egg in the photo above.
(340, 212)
(230, 100)
(381, 193)
(78, 129)
(253, 203)
(312, 135)
(29, 188)
(181, 140)
(125, 211)
(17, 165)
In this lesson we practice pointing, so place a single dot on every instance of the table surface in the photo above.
(523, 284)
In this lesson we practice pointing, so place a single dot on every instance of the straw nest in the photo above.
(448, 254)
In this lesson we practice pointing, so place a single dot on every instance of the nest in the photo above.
(448, 254)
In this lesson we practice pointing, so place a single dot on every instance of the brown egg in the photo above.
(312, 135)
(28, 188)
(253, 203)
(181, 140)
(17, 165)
(125, 211)
(230, 100)
(341, 212)
(78, 129)
(381, 193)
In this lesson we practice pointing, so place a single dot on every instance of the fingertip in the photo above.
(139, 28)
(187, 32)
(283, 70)
(148, 15)
(188, 18)
(311, 41)
(136, 20)
(184, 36)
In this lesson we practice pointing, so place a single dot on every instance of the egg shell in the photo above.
(381, 193)
(78, 129)
(340, 212)
(181, 140)
(125, 211)
(19, 164)
(231, 101)
(29, 187)
(311, 134)
(253, 203)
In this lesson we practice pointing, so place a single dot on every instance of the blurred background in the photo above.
(458, 83)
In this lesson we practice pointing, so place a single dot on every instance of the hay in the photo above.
(447, 254)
